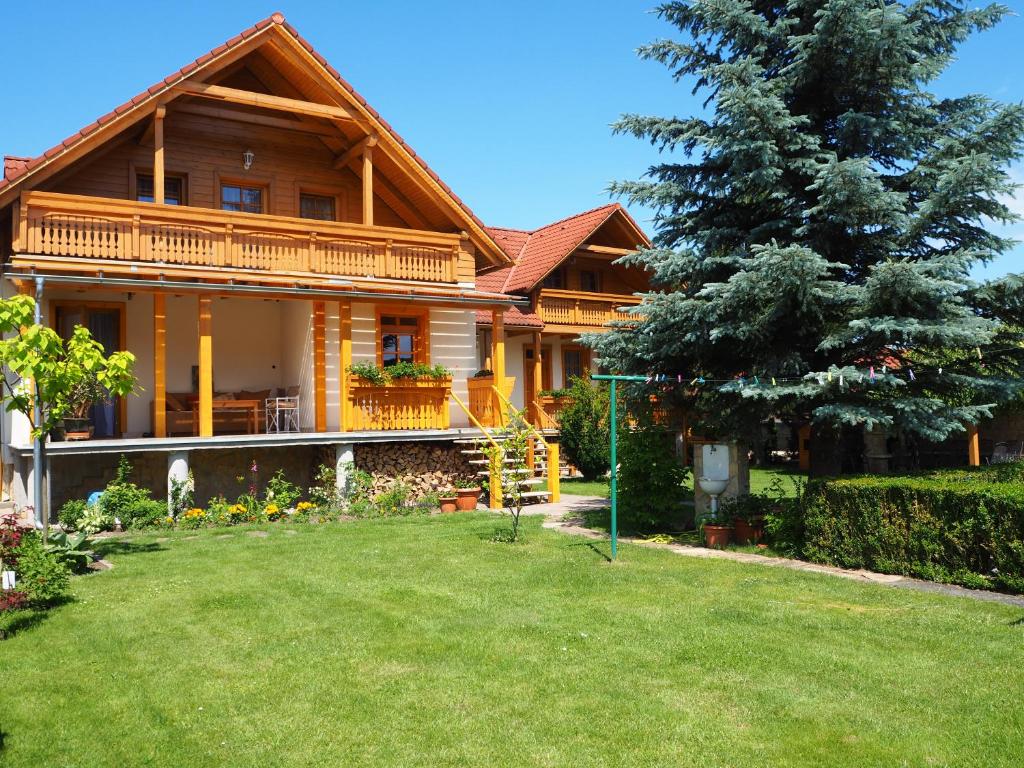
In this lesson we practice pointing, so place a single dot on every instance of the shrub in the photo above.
(42, 575)
(282, 492)
(94, 520)
(70, 513)
(584, 428)
(324, 493)
(147, 513)
(651, 480)
(965, 527)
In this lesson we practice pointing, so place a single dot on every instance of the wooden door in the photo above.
(545, 371)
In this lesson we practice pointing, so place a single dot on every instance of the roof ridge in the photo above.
(578, 215)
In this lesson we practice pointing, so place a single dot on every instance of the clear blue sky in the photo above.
(509, 102)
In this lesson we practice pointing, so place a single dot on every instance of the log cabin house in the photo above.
(249, 227)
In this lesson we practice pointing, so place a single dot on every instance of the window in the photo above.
(575, 363)
(590, 281)
(399, 339)
(555, 280)
(319, 207)
(174, 189)
(245, 199)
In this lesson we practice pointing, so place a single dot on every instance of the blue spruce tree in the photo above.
(823, 220)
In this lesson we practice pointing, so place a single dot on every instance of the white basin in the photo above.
(711, 486)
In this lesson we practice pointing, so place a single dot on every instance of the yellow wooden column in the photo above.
(159, 365)
(538, 379)
(498, 361)
(368, 185)
(973, 446)
(205, 366)
(320, 364)
(345, 354)
(158, 154)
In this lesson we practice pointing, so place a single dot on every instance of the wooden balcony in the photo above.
(575, 309)
(483, 403)
(51, 224)
(403, 404)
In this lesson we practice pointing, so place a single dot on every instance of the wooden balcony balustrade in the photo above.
(575, 308)
(52, 224)
(402, 404)
(482, 400)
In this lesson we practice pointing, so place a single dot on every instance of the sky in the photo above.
(509, 102)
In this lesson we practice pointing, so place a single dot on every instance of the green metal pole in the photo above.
(615, 471)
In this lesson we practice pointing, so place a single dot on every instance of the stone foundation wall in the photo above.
(423, 466)
(77, 476)
(217, 471)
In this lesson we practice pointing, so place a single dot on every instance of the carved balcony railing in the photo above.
(73, 226)
(402, 404)
(584, 310)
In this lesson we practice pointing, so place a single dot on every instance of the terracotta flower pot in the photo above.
(748, 532)
(448, 504)
(466, 498)
(717, 536)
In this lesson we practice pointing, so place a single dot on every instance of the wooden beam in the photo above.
(158, 154)
(355, 150)
(320, 364)
(368, 186)
(498, 360)
(345, 355)
(973, 446)
(605, 250)
(538, 378)
(205, 366)
(233, 115)
(159, 365)
(264, 100)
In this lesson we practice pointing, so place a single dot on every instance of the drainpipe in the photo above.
(37, 443)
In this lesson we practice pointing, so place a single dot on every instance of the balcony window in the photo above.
(174, 189)
(234, 197)
(320, 207)
(555, 280)
(575, 363)
(401, 339)
(590, 281)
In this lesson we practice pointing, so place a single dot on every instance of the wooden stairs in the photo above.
(534, 481)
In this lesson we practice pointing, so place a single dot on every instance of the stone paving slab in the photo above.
(565, 517)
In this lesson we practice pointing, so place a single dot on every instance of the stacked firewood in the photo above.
(423, 467)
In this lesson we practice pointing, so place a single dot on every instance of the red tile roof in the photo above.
(538, 252)
(20, 167)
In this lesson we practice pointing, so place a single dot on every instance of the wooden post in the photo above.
(320, 364)
(554, 473)
(498, 361)
(538, 379)
(158, 154)
(159, 365)
(345, 350)
(205, 366)
(973, 446)
(368, 185)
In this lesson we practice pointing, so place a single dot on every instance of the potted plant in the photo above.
(448, 501)
(76, 424)
(718, 528)
(467, 493)
(748, 520)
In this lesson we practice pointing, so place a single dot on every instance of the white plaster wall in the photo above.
(453, 345)
(364, 333)
(514, 366)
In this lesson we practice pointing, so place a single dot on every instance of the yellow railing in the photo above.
(481, 399)
(53, 224)
(554, 478)
(576, 308)
(494, 497)
(403, 404)
(547, 421)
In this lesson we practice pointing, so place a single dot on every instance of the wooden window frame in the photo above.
(133, 181)
(122, 341)
(585, 361)
(220, 181)
(340, 200)
(598, 280)
(421, 349)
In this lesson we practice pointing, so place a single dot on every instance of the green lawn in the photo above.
(760, 481)
(420, 642)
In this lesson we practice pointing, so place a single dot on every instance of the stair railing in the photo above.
(494, 496)
(554, 478)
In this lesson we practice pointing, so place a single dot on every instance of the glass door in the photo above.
(104, 323)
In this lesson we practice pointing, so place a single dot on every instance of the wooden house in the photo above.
(249, 227)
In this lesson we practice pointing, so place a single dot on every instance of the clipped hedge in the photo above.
(964, 526)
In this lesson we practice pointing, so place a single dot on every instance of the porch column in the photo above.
(973, 446)
(205, 366)
(498, 361)
(344, 463)
(158, 154)
(159, 365)
(538, 379)
(320, 364)
(368, 185)
(345, 353)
